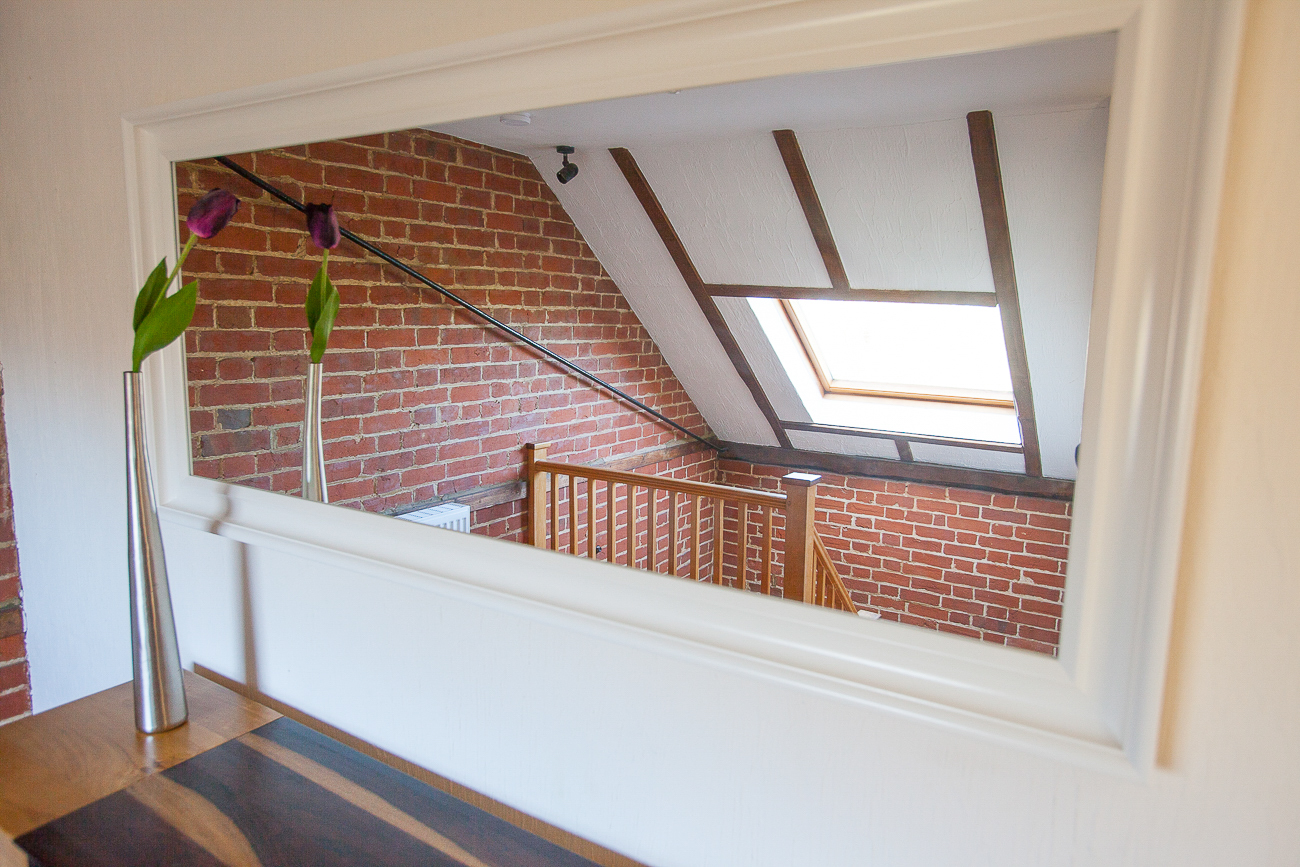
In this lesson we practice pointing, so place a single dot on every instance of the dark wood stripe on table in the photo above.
(284, 794)
(490, 838)
(114, 831)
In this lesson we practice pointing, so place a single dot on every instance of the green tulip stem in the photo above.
(189, 245)
(325, 260)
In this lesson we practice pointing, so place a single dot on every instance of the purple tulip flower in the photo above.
(323, 224)
(211, 213)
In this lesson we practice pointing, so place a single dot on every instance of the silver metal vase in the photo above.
(313, 454)
(159, 690)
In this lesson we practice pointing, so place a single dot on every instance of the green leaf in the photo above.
(325, 323)
(168, 319)
(150, 293)
(315, 297)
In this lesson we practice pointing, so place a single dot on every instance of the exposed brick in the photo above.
(13, 675)
(15, 704)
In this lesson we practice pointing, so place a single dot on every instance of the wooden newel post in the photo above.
(537, 488)
(800, 505)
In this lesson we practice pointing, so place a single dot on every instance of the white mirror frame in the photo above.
(1100, 702)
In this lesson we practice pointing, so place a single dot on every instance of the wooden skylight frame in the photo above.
(832, 386)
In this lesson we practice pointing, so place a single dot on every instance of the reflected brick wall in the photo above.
(984, 565)
(422, 403)
(15, 681)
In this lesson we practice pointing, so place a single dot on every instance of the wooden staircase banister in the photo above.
(662, 483)
(717, 516)
(830, 591)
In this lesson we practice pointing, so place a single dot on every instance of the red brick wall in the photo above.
(15, 681)
(989, 566)
(421, 402)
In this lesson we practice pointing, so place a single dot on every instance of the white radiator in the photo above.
(449, 516)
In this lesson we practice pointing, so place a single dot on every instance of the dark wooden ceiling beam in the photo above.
(797, 169)
(997, 231)
(887, 468)
(813, 293)
(677, 250)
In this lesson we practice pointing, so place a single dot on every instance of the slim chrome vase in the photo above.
(159, 690)
(313, 454)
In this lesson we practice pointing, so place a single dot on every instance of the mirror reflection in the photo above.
(820, 337)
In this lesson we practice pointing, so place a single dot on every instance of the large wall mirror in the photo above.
(871, 325)
(818, 249)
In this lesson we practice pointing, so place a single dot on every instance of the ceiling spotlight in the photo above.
(521, 118)
(568, 171)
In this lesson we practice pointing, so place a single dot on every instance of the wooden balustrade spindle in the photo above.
(591, 522)
(573, 514)
(631, 526)
(766, 586)
(716, 577)
(611, 504)
(555, 512)
(672, 533)
(695, 537)
(652, 529)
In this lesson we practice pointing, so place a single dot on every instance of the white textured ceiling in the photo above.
(1032, 78)
(887, 150)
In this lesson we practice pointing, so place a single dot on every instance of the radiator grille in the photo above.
(449, 516)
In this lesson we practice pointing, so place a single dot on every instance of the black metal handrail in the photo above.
(452, 296)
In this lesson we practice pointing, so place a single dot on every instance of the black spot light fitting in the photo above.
(568, 171)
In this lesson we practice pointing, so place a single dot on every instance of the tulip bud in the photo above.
(211, 213)
(323, 224)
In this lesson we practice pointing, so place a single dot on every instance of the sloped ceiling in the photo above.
(888, 152)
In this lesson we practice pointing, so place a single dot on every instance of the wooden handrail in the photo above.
(662, 483)
(829, 588)
(713, 516)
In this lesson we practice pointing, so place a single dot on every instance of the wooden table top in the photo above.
(239, 785)
(63, 759)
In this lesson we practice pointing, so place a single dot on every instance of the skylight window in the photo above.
(952, 353)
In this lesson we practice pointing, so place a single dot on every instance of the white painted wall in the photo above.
(674, 757)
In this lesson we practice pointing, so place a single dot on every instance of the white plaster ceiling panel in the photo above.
(1052, 74)
(1051, 171)
(735, 210)
(613, 224)
(763, 359)
(839, 444)
(902, 204)
(975, 459)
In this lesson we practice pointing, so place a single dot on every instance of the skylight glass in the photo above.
(945, 352)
